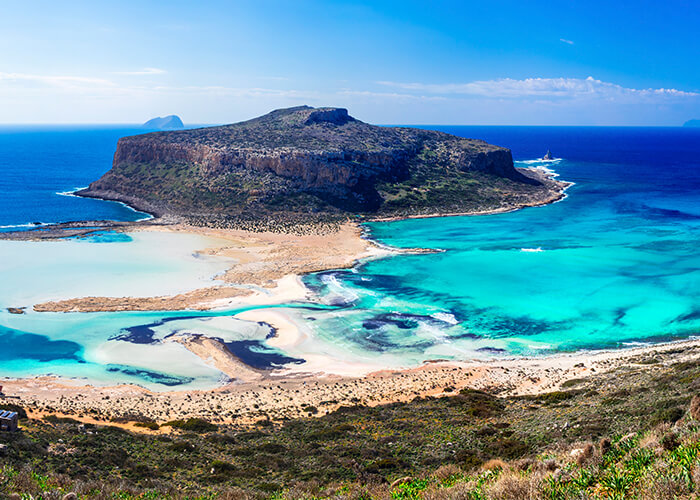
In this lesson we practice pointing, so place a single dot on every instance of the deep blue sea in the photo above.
(38, 163)
(614, 264)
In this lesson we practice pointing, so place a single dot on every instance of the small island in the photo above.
(170, 122)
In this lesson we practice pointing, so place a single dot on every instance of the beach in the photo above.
(279, 397)
(270, 265)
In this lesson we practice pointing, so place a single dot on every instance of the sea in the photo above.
(615, 264)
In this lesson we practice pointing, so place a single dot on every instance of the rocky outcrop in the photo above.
(304, 160)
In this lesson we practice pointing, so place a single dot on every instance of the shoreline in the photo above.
(545, 175)
(370, 384)
(278, 398)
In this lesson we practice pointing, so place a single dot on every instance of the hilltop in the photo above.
(318, 163)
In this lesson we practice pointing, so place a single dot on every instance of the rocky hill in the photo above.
(314, 163)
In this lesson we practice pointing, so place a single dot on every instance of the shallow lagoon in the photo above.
(617, 264)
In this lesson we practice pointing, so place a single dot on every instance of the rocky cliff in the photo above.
(313, 162)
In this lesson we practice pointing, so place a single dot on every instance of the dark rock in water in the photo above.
(492, 350)
(312, 163)
(170, 122)
(15, 310)
(548, 156)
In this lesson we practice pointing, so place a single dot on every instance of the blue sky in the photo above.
(403, 62)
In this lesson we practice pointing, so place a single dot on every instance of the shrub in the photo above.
(695, 407)
(193, 425)
(148, 425)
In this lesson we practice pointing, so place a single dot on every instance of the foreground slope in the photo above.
(321, 161)
(631, 433)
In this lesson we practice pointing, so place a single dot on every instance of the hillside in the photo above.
(301, 161)
(624, 434)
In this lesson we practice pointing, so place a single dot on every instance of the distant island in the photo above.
(170, 122)
(692, 123)
(315, 163)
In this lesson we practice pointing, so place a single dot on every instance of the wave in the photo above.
(72, 194)
(28, 224)
(338, 291)
(539, 160)
(532, 250)
(445, 317)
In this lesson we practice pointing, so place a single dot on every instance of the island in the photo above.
(170, 122)
(692, 123)
(315, 164)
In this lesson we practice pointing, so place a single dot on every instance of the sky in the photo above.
(563, 62)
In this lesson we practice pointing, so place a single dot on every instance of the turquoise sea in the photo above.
(615, 264)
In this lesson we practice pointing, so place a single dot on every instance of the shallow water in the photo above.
(614, 264)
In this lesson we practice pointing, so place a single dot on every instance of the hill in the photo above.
(170, 122)
(624, 434)
(315, 163)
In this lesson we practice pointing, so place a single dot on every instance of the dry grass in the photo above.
(512, 485)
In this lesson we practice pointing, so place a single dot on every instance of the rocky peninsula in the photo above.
(308, 164)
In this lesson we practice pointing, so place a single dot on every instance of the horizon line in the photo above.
(202, 125)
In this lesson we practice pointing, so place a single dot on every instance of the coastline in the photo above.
(277, 398)
(273, 263)
(547, 176)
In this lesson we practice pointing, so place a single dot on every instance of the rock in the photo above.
(70, 496)
(3, 450)
(15, 310)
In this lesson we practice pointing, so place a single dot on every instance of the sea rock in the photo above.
(170, 122)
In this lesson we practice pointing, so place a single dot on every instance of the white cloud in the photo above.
(54, 80)
(144, 71)
(564, 40)
(540, 88)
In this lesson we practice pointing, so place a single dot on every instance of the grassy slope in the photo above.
(442, 444)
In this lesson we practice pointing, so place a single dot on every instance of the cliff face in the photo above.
(305, 160)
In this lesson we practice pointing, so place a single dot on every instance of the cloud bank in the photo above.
(539, 87)
(134, 96)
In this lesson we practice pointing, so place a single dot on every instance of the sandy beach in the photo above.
(266, 271)
(278, 397)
